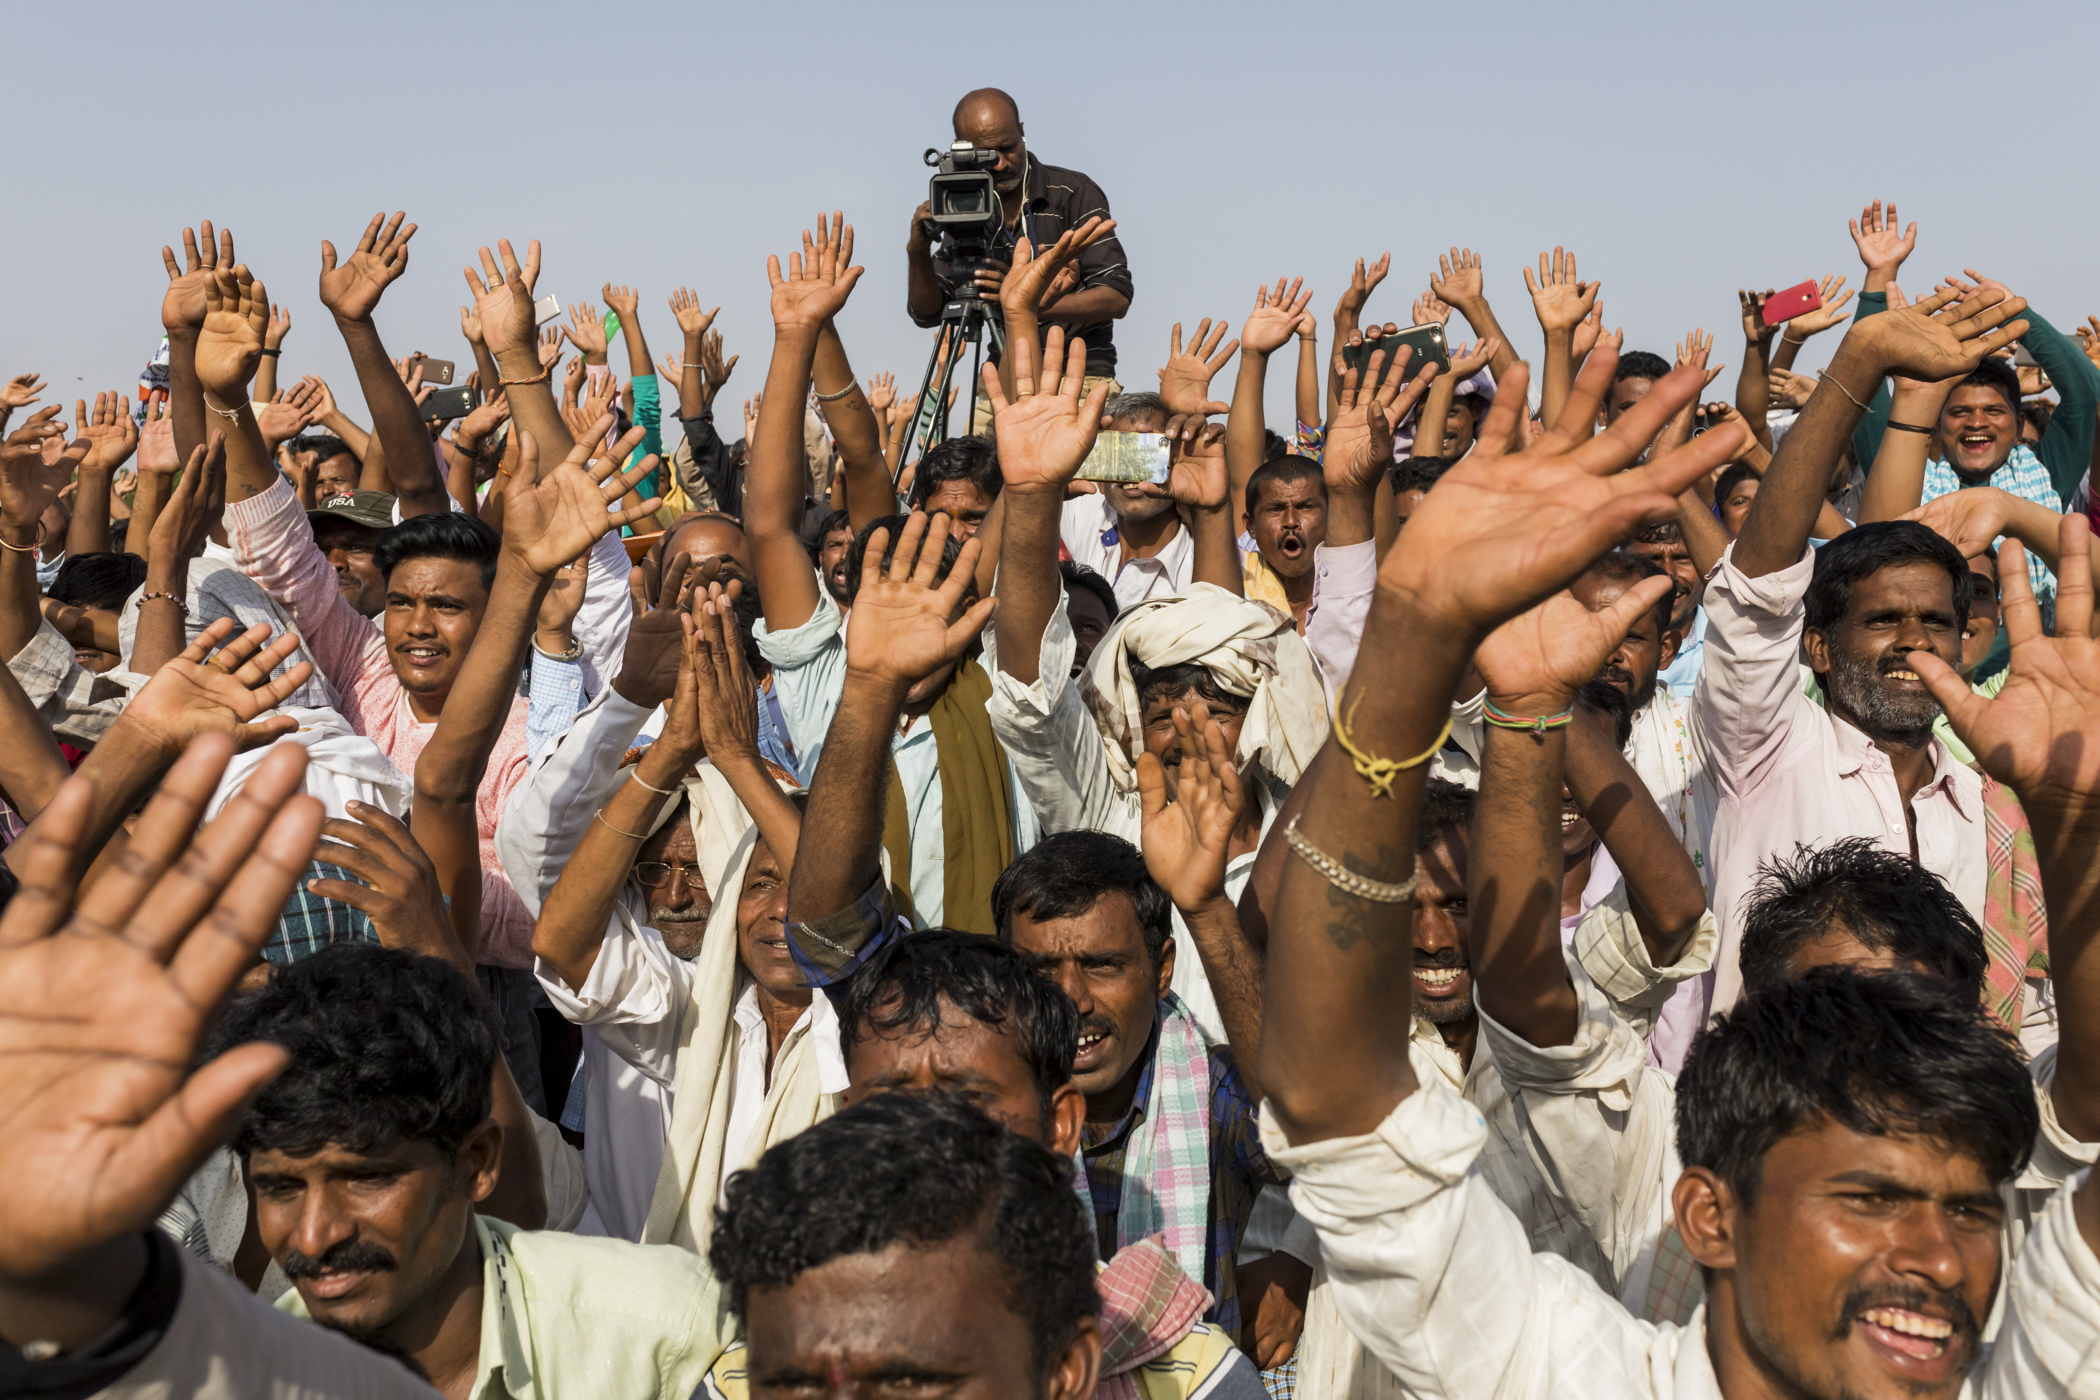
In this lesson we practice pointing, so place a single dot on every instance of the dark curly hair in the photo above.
(445, 534)
(921, 1170)
(1064, 875)
(387, 1046)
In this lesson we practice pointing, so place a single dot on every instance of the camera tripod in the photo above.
(964, 319)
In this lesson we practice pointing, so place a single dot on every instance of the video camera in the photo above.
(964, 199)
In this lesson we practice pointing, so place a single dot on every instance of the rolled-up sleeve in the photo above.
(1749, 692)
(1343, 581)
(1052, 741)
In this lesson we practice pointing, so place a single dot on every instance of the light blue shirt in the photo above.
(1682, 674)
(809, 674)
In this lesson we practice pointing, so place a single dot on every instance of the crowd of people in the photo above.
(1473, 896)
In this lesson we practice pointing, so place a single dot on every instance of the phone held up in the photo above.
(1426, 342)
(1781, 307)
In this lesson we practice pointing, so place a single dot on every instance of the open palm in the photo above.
(1187, 839)
(230, 345)
(1184, 381)
(503, 300)
(1941, 336)
(1557, 647)
(182, 308)
(352, 291)
(1044, 436)
(198, 693)
(1274, 319)
(904, 625)
(551, 520)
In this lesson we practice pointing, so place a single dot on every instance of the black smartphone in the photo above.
(1427, 343)
(447, 404)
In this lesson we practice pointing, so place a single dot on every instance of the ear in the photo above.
(1672, 639)
(1816, 643)
(1166, 966)
(1067, 1118)
(1708, 1213)
(1074, 1375)
(480, 1159)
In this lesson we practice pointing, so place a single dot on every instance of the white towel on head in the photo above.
(1250, 648)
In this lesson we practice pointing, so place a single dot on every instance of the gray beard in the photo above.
(1880, 714)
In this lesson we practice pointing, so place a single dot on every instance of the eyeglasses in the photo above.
(654, 874)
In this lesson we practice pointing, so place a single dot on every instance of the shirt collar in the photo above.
(503, 1344)
(1135, 1114)
(1856, 751)
(820, 1022)
(1034, 188)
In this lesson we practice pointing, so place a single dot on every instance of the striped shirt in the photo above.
(2022, 475)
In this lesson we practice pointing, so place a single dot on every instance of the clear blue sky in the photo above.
(1681, 150)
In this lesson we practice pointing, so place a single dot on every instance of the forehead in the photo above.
(1109, 927)
(763, 865)
(959, 1044)
(455, 578)
(707, 539)
(1977, 396)
(1663, 552)
(673, 841)
(1443, 865)
(1812, 1155)
(338, 1160)
(1143, 420)
(1082, 603)
(331, 531)
(957, 495)
(837, 539)
(988, 122)
(1302, 491)
(946, 1308)
(1915, 583)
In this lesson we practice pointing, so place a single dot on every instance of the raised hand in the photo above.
(585, 330)
(1519, 526)
(550, 518)
(1028, 282)
(470, 326)
(31, 477)
(1457, 280)
(649, 663)
(2036, 736)
(103, 1008)
(882, 392)
(284, 417)
(713, 372)
(1971, 520)
(904, 625)
(1693, 350)
(352, 291)
(625, 301)
(22, 390)
(1560, 297)
(1829, 314)
(550, 346)
(230, 345)
(220, 685)
(2089, 338)
(1535, 662)
(396, 884)
(1589, 333)
(1362, 282)
(1881, 248)
(1429, 309)
(110, 434)
(1276, 316)
(279, 327)
(1469, 360)
(1184, 381)
(1785, 389)
(818, 280)
(1360, 435)
(503, 301)
(1752, 305)
(1196, 475)
(195, 505)
(1187, 839)
(685, 308)
(1937, 337)
(484, 419)
(1045, 432)
(724, 693)
(157, 439)
(183, 308)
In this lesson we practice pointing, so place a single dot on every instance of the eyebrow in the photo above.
(1889, 1186)
(442, 600)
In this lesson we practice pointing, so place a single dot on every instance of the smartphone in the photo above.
(447, 404)
(1427, 343)
(1127, 458)
(545, 309)
(1781, 307)
(437, 371)
(2021, 354)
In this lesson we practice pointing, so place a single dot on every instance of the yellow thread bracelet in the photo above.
(1380, 772)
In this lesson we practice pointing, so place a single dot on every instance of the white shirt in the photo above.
(1431, 1271)
(1787, 771)
(748, 1097)
(1089, 530)
(809, 675)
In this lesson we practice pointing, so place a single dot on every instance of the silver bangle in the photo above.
(832, 398)
(1345, 879)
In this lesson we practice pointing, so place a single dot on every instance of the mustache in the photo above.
(354, 1255)
(1096, 1025)
(692, 912)
(1446, 960)
(1950, 1306)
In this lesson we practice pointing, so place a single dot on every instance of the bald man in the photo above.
(1041, 201)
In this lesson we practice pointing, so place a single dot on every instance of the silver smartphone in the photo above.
(545, 309)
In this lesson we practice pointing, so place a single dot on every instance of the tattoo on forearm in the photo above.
(1355, 920)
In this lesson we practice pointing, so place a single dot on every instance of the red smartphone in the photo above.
(1781, 307)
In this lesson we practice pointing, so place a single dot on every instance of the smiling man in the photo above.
(368, 1158)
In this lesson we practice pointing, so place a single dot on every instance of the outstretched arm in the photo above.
(352, 291)
(1460, 285)
(1268, 328)
(1561, 299)
(503, 305)
(112, 437)
(906, 624)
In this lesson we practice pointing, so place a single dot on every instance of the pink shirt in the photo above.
(1788, 772)
(270, 535)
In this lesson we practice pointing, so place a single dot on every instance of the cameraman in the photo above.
(1055, 199)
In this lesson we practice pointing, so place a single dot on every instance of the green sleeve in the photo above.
(1866, 438)
(648, 416)
(2067, 447)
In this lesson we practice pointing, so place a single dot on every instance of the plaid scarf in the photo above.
(2022, 475)
(1166, 1169)
(1148, 1304)
(2015, 917)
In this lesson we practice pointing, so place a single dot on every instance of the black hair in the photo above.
(1605, 699)
(327, 446)
(836, 520)
(2036, 413)
(386, 1046)
(1065, 875)
(1446, 807)
(858, 550)
(1661, 532)
(1418, 473)
(1885, 1054)
(1283, 471)
(1474, 401)
(1640, 364)
(1731, 478)
(971, 459)
(918, 1170)
(1079, 576)
(1866, 550)
(1185, 678)
(1131, 403)
(1275, 445)
(1887, 901)
(1994, 373)
(902, 986)
(443, 534)
(98, 580)
(1625, 568)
